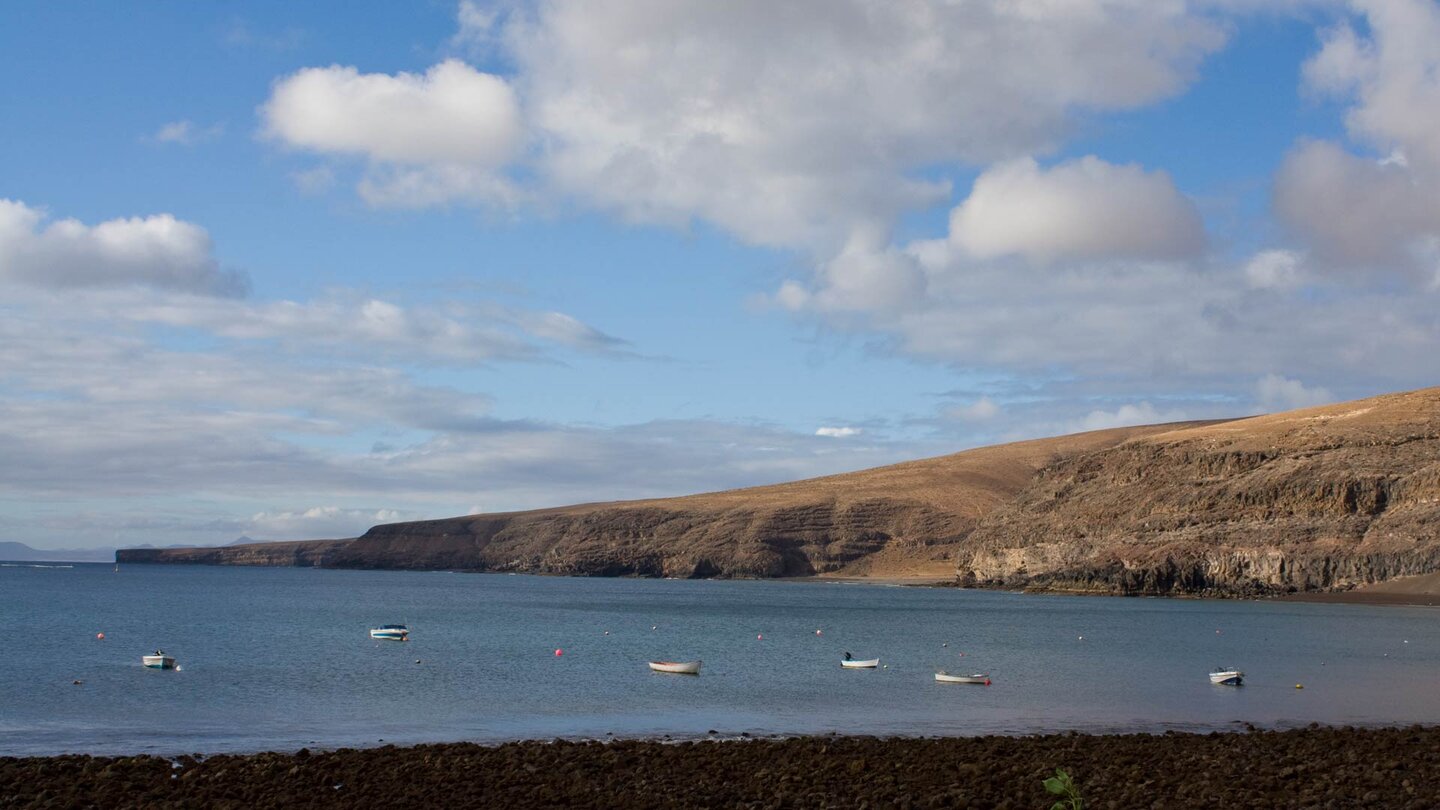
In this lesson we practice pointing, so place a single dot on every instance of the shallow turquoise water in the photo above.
(279, 658)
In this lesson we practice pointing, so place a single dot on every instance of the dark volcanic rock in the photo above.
(1318, 767)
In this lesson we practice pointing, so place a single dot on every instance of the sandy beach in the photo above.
(1313, 767)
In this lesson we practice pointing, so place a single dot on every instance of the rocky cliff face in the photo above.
(903, 520)
(301, 552)
(1324, 498)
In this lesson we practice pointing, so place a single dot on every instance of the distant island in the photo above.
(1319, 499)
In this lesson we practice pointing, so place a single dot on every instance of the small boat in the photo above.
(677, 667)
(979, 677)
(1224, 676)
(855, 663)
(392, 632)
(159, 660)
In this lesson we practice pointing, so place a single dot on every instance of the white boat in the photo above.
(1227, 677)
(392, 632)
(677, 667)
(159, 660)
(979, 677)
(855, 663)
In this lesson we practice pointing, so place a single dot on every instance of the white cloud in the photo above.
(441, 135)
(330, 522)
(1366, 213)
(1276, 393)
(157, 251)
(1081, 209)
(1275, 269)
(186, 133)
(1359, 213)
(785, 126)
(1142, 413)
(838, 432)
(791, 125)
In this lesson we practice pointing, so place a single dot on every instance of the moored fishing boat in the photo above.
(159, 660)
(391, 632)
(1226, 676)
(980, 677)
(855, 663)
(677, 667)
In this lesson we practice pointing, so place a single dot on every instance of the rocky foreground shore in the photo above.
(1315, 767)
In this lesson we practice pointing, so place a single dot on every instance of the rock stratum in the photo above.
(1319, 499)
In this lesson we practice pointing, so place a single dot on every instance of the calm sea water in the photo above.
(279, 658)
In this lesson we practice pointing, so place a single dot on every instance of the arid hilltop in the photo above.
(904, 520)
(1324, 498)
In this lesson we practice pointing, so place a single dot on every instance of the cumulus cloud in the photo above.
(1081, 209)
(1276, 393)
(785, 126)
(431, 137)
(1359, 213)
(838, 432)
(157, 251)
(1377, 212)
(1275, 269)
(318, 522)
(1141, 413)
(790, 125)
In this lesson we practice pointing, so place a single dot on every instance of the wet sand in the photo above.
(1314, 767)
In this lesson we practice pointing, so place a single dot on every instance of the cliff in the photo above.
(904, 520)
(299, 552)
(1325, 498)
(1318, 499)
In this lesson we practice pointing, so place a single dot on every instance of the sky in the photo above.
(289, 270)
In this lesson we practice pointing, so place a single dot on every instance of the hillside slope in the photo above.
(901, 520)
(1321, 498)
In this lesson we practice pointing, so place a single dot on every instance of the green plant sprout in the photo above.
(1063, 786)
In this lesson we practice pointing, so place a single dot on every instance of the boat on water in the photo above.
(391, 632)
(856, 663)
(1225, 676)
(677, 667)
(979, 677)
(159, 660)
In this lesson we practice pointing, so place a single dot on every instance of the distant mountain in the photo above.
(19, 552)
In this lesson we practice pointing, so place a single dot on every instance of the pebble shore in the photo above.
(1313, 767)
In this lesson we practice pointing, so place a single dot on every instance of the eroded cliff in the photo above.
(1317, 499)
(901, 520)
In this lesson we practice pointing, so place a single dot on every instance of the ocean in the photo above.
(280, 658)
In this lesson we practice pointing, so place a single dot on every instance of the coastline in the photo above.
(1315, 766)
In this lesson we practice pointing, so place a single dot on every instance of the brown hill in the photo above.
(904, 520)
(1321, 498)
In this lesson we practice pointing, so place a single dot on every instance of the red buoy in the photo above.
(100, 636)
(559, 651)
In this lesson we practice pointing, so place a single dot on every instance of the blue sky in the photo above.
(290, 270)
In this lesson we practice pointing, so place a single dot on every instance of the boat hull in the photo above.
(853, 664)
(158, 661)
(1230, 678)
(978, 678)
(676, 667)
(390, 635)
